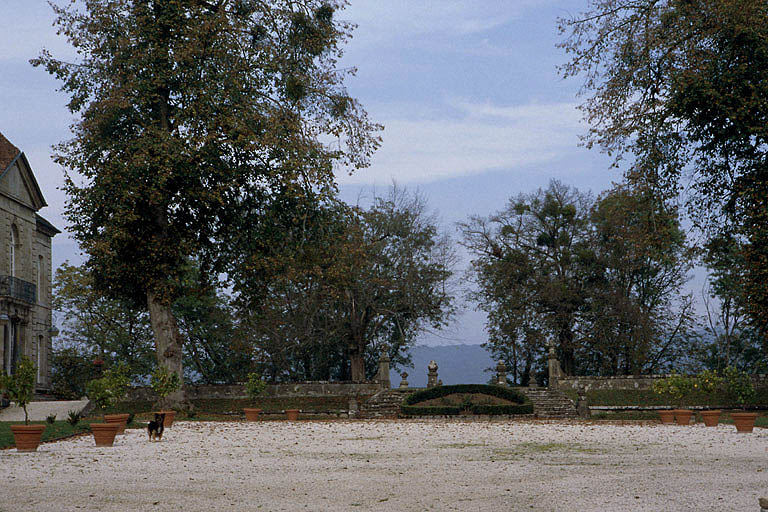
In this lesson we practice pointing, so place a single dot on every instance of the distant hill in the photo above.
(457, 364)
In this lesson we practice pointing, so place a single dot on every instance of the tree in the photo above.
(527, 270)
(191, 112)
(683, 86)
(635, 319)
(98, 327)
(599, 280)
(345, 283)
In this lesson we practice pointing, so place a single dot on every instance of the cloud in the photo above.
(478, 137)
(397, 19)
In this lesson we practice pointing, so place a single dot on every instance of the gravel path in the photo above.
(396, 466)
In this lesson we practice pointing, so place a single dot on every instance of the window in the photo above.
(39, 279)
(14, 242)
(40, 354)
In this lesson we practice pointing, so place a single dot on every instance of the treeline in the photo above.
(318, 289)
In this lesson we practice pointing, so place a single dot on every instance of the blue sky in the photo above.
(473, 108)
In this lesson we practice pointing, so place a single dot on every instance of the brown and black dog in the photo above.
(155, 428)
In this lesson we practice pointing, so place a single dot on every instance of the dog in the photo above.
(155, 428)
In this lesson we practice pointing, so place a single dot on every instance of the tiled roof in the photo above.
(8, 152)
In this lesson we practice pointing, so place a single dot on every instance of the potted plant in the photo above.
(163, 383)
(677, 387)
(118, 378)
(19, 388)
(709, 381)
(254, 387)
(739, 387)
(106, 392)
(662, 387)
(292, 414)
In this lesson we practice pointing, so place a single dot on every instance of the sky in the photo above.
(468, 92)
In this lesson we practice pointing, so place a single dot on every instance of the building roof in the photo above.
(45, 226)
(8, 153)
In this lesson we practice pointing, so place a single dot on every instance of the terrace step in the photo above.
(384, 404)
(550, 403)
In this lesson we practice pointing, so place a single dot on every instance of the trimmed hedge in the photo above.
(522, 405)
(646, 397)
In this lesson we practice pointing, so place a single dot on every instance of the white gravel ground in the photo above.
(396, 466)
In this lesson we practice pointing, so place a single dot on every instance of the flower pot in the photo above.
(104, 433)
(292, 414)
(683, 416)
(710, 418)
(667, 416)
(251, 414)
(744, 421)
(169, 415)
(120, 419)
(27, 437)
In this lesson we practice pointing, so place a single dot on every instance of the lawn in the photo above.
(57, 430)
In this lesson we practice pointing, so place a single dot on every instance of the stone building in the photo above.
(25, 267)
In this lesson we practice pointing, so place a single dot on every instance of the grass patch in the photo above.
(57, 430)
(534, 448)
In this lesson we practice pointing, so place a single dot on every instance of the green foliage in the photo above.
(254, 386)
(71, 370)
(708, 381)
(683, 86)
(164, 382)
(738, 385)
(522, 404)
(74, 417)
(676, 387)
(328, 288)
(95, 326)
(50, 419)
(21, 385)
(108, 390)
(599, 280)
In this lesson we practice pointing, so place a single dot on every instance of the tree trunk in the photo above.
(168, 344)
(356, 363)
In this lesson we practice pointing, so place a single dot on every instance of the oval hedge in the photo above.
(522, 405)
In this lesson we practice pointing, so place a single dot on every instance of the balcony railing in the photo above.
(17, 289)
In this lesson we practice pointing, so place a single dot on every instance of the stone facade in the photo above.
(282, 390)
(642, 382)
(25, 267)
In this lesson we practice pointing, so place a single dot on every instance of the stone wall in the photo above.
(642, 382)
(282, 390)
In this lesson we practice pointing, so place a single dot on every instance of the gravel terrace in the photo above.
(396, 466)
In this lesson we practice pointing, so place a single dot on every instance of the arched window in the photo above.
(14, 243)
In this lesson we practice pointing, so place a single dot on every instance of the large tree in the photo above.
(344, 283)
(190, 112)
(682, 85)
(527, 268)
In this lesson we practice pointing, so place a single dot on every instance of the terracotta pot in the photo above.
(292, 414)
(169, 415)
(710, 418)
(744, 421)
(104, 433)
(683, 416)
(120, 419)
(251, 414)
(27, 437)
(667, 417)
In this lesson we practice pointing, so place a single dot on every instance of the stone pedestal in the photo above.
(555, 372)
(432, 374)
(501, 374)
(404, 380)
(383, 377)
(581, 405)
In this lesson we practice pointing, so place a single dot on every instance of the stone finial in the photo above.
(404, 380)
(501, 373)
(432, 374)
(439, 382)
